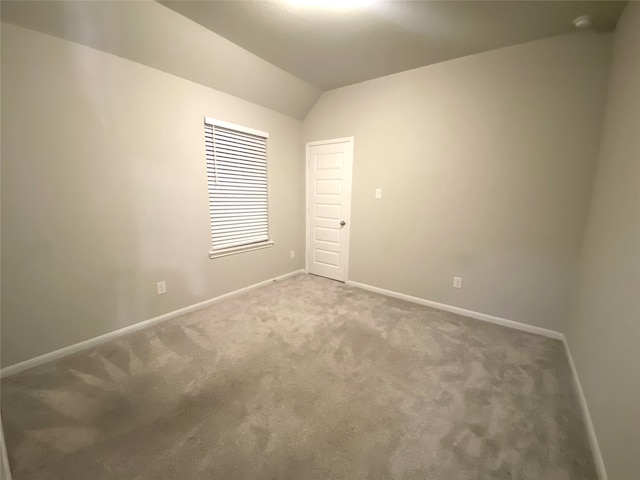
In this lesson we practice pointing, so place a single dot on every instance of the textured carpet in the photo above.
(303, 379)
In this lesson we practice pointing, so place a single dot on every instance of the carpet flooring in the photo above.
(304, 379)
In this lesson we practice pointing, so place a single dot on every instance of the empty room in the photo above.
(320, 240)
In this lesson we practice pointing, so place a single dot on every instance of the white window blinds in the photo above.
(237, 181)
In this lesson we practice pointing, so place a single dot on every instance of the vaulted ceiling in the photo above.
(281, 55)
(151, 34)
(334, 47)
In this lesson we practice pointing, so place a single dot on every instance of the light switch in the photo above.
(378, 193)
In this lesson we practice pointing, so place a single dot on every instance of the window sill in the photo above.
(244, 248)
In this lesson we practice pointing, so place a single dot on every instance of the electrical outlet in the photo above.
(457, 282)
(378, 193)
(292, 254)
(161, 287)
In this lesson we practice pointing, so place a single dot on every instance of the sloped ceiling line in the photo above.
(154, 35)
(281, 56)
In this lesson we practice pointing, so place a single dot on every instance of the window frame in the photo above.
(223, 252)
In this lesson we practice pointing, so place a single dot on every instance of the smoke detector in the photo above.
(583, 22)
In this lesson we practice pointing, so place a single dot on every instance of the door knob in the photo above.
(343, 223)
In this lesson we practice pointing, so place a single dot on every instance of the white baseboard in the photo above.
(462, 311)
(93, 342)
(595, 448)
(63, 352)
(591, 432)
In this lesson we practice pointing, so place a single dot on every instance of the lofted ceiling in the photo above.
(331, 48)
(148, 33)
(282, 56)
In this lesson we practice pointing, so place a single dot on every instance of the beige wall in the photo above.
(603, 331)
(104, 193)
(486, 165)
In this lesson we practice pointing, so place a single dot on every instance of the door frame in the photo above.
(347, 178)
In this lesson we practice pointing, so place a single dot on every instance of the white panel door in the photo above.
(329, 165)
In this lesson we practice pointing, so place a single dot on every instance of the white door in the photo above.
(329, 166)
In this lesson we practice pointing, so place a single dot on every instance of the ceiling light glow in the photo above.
(583, 21)
(331, 4)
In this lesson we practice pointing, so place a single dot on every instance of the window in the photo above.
(237, 183)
